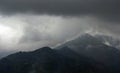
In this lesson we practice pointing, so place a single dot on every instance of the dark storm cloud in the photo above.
(65, 7)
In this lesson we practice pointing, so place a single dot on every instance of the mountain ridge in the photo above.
(49, 61)
(95, 48)
(86, 54)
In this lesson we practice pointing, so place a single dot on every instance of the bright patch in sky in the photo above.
(6, 32)
(8, 35)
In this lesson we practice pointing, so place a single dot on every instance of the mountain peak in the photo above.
(87, 39)
(43, 49)
(87, 35)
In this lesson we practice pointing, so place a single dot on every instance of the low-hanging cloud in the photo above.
(54, 29)
(35, 31)
(41, 23)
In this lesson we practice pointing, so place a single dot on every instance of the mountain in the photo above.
(47, 60)
(25, 62)
(85, 54)
(94, 47)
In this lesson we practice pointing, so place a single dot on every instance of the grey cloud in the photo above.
(105, 10)
(52, 29)
(31, 35)
(65, 7)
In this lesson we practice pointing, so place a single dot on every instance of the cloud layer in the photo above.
(45, 30)
(41, 23)
(62, 6)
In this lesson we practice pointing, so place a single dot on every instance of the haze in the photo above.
(31, 24)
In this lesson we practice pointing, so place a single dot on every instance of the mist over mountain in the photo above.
(99, 38)
(86, 54)
(109, 40)
(96, 48)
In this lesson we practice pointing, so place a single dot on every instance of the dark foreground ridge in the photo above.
(100, 58)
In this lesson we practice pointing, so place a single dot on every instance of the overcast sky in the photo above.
(31, 24)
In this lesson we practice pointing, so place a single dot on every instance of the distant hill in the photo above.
(47, 60)
(95, 47)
